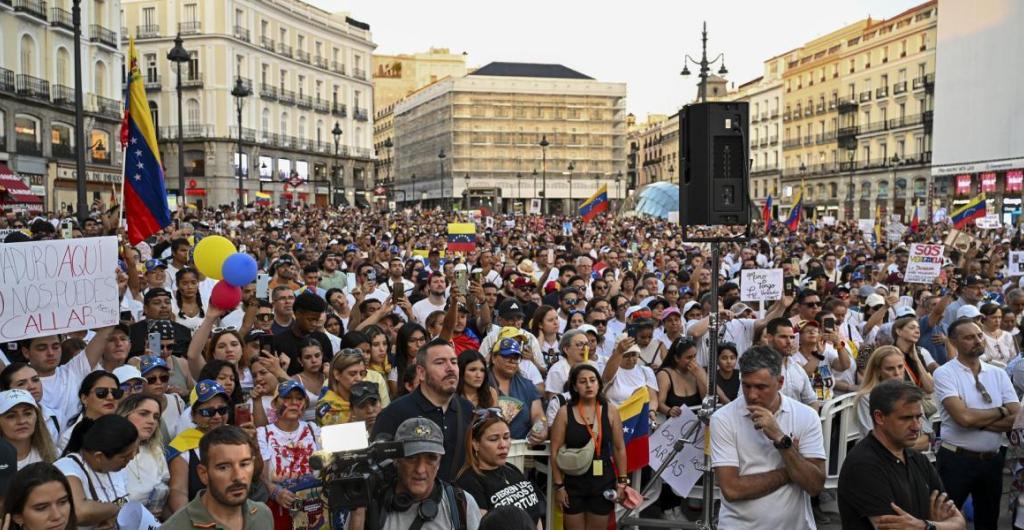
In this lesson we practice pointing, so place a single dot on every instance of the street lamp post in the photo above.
(704, 64)
(466, 191)
(544, 169)
(618, 185)
(440, 163)
(82, 206)
(179, 55)
(337, 161)
(413, 178)
(240, 92)
(388, 144)
(849, 156)
(570, 169)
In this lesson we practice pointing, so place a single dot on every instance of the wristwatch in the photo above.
(784, 443)
(928, 525)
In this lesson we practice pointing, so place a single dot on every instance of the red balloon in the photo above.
(225, 296)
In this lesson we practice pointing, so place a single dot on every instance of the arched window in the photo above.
(62, 140)
(901, 188)
(100, 79)
(883, 189)
(63, 65)
(833, 190)
(302, 128)
(192, 111)
(27, 61)
(319, 131)
(284, 123)
(265, 124)
(27, 134)
(920, 187)
(865, 190)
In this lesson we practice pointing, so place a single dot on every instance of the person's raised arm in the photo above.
(450, 317)
(612, 366)
(95, 348)
(385, 309)
(196, 361)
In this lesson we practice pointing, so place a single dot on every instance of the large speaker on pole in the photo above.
(713, 154)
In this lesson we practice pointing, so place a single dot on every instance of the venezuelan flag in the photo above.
(878, 224)
(263, 198)
(145, 195)
(597, 203)
(793, 221)
(636, 428)
(461, 237)
(766, 214)
(969, 212)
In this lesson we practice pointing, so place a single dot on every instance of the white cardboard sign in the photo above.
(688, 465)
(758, 285)
(1016, 265)
(924, 264)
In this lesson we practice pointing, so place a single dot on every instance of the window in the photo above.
(319, 88)
(193, 65)
(191, 13)
(300, 42)
(284, 35)
(284, 123)
(100, 78)
(151, 67)
(302, 128)
(100, 147)
(240, 18)
(61, 139)
(266, 168)
(192, 111)
(154, 114)
(264, 73)
(319, 49)
(63, 65)
(356, 97)
(239, 64)
(265, 122)
(245, 165)
(920, 70)
(28, 55)
(149, 16)
(264, 28)
(283, 80)
(302, 85)
(284, 168)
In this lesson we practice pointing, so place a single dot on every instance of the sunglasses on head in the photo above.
(481, 415)
(214, 411)
(102, 393)
(154, 379)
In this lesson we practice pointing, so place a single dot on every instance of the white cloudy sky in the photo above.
(639, 42)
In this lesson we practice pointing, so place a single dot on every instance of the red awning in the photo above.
(14, 190)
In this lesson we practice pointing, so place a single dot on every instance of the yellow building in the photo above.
(857, 116)
(659, 149)
(307, 70)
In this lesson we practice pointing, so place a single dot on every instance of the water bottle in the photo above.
(610, 495)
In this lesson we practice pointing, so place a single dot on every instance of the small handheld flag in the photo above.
(793, 221)
(461, 237)
(597, 203)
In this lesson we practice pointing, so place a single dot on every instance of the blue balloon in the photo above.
(239, 269)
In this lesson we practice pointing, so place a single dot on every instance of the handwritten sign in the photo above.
(924, 264)
(50, 287)
(760, 284)
(688, 465)
(988, 222)
(1016, 266)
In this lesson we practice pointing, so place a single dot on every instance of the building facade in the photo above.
(307, 71)
(477, 139)
(857, 117)
(659, 149)
(37, 98)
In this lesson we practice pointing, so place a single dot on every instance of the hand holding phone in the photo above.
(243, 414)
(153, 343)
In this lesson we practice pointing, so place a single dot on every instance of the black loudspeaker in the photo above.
(713, 153)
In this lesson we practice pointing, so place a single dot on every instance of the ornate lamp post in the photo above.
(544, 168)
(240, 92)
(704, 64)
(336, 132)
(179, 55)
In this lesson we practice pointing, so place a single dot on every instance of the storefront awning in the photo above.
(14, 192)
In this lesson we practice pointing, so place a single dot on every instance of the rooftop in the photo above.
(529, 70)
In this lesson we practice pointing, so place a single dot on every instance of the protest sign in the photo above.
(758, 285)
(535, 206)
(866, 226)
(924, 263)
(988, 222)
(1016, 266)
(687, 466)
(50, 287)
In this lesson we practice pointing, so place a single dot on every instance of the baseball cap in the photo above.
(809, 324)
(904, 311)
(8, 465)
(587, 328)
(418, 435)
(254, 335)
(15, 396)
(865, 291)
(669, 311)
(288, 387)
(973, 279)
(689, 306)
(509, 308)
(126, 372)
(856, 276)
(153, 264)
(362, 392)
(509, 347)
(155, 292)
(968, 311)
(148, 363)
(638, 312)
(874, 299)
(206, 390)
(739, 308)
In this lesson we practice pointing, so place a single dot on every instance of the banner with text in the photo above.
(924, 264)
(758, 285)
(1016, 266)
(687, 466)
(50, 287)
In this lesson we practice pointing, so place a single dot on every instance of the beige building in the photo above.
(659, 149)
(37, 98)
(307, 70)
(482, 133)
(857, 116)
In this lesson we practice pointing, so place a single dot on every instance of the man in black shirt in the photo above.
(308, 309)
(886, 484)
(156, 305)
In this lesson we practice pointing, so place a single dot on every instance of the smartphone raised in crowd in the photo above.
(462, 280)
(262, 285)
(154, 343)
(243, 413)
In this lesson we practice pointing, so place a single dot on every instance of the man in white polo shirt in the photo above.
(977, 405)
(767, 451)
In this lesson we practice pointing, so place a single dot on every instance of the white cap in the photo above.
(904, 311)
(587, 328)
(15, 396)
(968, 311)
(126, 372)
(874, 299)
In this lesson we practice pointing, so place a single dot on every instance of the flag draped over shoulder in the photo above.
(145, 194)
(461, 237)
(975, 209)
(636, 428)
(597, 203)
(793, 221)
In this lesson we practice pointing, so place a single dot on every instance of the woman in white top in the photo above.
(96, 456)
(23, 426)
(311, 357)
(544, 326)
(885, 363)
(188, 303)
(624, 374)
(148, 476)
(1000, 348)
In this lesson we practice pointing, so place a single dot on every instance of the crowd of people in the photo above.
(210, 417)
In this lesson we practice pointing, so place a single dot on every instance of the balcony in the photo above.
(809, 111)
(899, 88)
(820, 108)
(33, 8)
(246, 82)
(754, 119)
(62, 95)
(62, 151)
(807, 140)
(152, 82)
(147, 31)
(110, 108)
(241, 33)
(870, 128)
(339, 110)
(763, 142)
(785, 116)
(918, 83)
(195, 80)
(905, 121)
(774, 114)
(7, 83)
(359, 73)
(321, 105)
(832, 104)
(929, 83)
(321, 62)
(774, 140)
(790, 143)
(192, 27)
(28, 147)
(338, 67)
(304, 102)
(847, 133)
(286, 97)
(33, 87)
(102, 35)
(61, 18)
(248, 135)
(865, 96)
(284, 49)
(188, 131)
(360, 114)
(267, 43)
(268, 91)
(302, 56)
(882, 92)
(847, 105)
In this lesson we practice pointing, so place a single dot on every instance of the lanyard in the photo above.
(597, 423)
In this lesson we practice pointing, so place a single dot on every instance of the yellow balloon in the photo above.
(210, 254)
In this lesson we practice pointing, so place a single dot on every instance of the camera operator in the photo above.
(419, 500)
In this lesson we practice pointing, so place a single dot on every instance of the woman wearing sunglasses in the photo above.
(23, 426)
(285, 447)
(157, 376)
(210, 409)
(98, 394)
(148, 476)
(488, 476)
(94, 463)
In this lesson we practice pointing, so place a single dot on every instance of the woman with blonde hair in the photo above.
(886, 363)
(149, 476)
(347, 369)
(24, 427)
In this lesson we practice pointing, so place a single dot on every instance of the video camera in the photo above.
(351, 478)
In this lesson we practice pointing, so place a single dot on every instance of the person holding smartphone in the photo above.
(285, 447)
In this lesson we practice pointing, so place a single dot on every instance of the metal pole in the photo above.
(711, 400)
(82, 206)
(181, 149)
(241, 201)
(337, 164)
(544, 177)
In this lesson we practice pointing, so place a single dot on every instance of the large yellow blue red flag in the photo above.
(597, 203)
(145, 194)
(461, 237)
